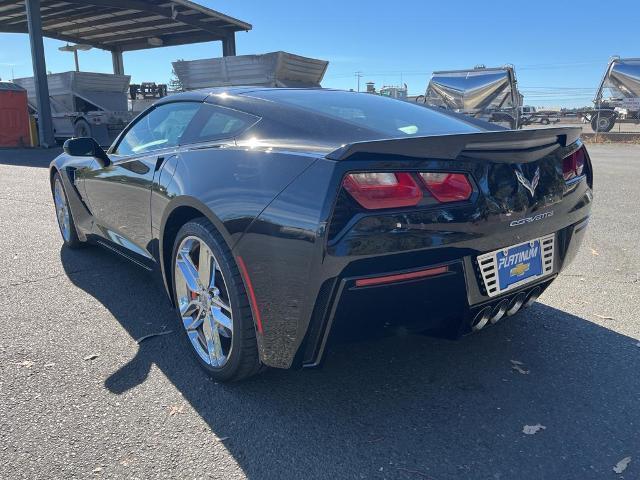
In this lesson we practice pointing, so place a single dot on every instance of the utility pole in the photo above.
(34, 24)
(359, 76)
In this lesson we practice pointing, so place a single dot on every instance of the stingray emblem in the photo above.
(530, 186)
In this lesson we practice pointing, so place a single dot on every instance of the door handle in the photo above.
(159, 162)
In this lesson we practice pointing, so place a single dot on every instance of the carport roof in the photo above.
(122, 25)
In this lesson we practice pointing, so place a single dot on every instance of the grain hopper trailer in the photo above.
(275, 69)
(85, 104)
(618, 97)
(490, 94)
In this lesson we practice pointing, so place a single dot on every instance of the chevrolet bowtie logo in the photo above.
(530, 186)
(519, 270)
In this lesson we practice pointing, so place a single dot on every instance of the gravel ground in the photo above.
(79, 398)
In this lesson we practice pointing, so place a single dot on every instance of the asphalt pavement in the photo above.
(80, 398)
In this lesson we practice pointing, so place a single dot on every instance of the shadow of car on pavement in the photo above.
(437, 408)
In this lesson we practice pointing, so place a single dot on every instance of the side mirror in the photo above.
(86, 147)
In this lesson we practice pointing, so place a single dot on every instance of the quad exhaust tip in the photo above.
(481, 319)
(508, 307)
(532, 296)
(499, 310)
(516, 303)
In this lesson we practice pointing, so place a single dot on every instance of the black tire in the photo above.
(243, 360)
(81, 129)
(602, 122)
(70, 239)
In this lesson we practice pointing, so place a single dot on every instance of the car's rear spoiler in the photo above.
(498, 146)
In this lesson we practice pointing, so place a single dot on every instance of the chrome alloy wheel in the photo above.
(203, 301)
(62, 210)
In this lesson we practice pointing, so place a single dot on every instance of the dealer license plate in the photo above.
(519, 263)
(516, 265)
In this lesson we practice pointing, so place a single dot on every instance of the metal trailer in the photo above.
(399, 93)
(85, 104)
(531, 116)
(618, 97)
(487, 93)
(275, 69)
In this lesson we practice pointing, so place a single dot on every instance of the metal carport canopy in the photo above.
(114, 25)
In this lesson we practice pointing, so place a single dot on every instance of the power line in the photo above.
(533, 66)
(557, 88)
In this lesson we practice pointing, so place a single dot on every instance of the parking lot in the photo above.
(79, 397)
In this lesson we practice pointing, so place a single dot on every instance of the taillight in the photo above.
(383, 189)
(447, 187)
(573, 165)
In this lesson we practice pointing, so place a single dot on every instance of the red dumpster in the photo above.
(14, 116)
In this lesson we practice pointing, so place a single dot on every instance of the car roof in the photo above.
(285, 122)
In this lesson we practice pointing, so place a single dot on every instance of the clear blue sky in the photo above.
(559, 48)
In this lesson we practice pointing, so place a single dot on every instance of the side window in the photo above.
(162, 127)
(213, 123)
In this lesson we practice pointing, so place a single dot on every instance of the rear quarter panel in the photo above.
(284, 251)
(233, 185)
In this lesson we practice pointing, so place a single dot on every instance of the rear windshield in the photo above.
(393, 118)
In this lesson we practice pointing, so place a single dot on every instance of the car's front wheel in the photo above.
(213, 307)
(63, 214)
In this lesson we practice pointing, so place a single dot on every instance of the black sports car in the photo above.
(280, 219)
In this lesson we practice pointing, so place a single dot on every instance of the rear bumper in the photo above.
(445, 304)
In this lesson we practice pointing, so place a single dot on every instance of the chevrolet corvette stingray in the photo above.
(282, 219)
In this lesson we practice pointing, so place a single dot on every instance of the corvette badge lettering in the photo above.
(534, 218)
